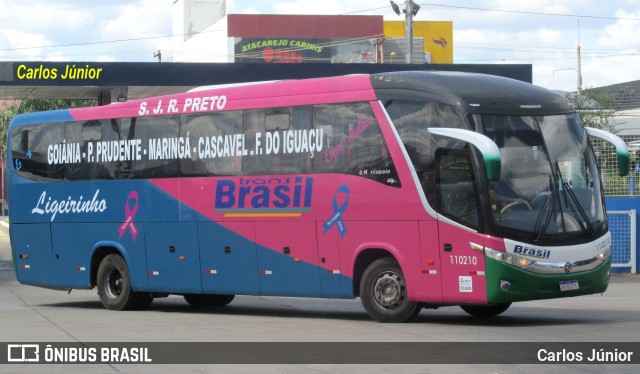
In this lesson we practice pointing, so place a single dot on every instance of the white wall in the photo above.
(200, 31)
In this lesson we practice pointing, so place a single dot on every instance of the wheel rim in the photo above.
(388, 290)
(113, 284)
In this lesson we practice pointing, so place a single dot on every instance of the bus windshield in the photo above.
(549, 181)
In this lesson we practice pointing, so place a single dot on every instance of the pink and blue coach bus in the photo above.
(409, 190)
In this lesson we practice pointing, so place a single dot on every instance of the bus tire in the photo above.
(485, 310)
(114, 286)
(204, 300)
(383, 292)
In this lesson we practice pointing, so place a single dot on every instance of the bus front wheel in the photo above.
(485, 310)
(383, 292)
(114, 286)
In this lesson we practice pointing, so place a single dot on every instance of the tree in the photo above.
(595, 108)
(10, 110)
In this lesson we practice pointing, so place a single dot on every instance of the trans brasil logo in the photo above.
(532, 251)
(264, 197)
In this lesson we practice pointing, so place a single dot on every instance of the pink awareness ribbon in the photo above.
(129, 214)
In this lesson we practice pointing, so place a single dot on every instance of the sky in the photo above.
(543, 33)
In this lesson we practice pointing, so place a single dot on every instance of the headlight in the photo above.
(604, 254)
(508, 258)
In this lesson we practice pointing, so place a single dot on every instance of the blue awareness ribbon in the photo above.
(338, 211)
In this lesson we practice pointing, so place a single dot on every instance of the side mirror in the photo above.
(622, 151)
(489, 149)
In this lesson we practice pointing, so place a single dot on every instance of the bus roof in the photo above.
(349, 88)
(475, 93)
(219, 86)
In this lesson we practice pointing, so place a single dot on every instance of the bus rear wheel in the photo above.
(383, 292)
(114, 286)
(485, 310)
(204, 300)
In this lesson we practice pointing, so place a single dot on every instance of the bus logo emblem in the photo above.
(567, 267)
(264, 197)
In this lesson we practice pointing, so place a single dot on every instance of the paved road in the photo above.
(31, 314)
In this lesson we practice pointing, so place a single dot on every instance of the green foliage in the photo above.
(595, 108)
(12, 109)
(6, 115)
(39, 105)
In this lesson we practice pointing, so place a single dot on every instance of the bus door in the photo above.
(173, 261)
(288, 258)
(458, 207)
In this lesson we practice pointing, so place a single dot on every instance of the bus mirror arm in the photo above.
(622, 151)
(488, 148)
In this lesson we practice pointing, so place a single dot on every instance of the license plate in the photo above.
(569, 285)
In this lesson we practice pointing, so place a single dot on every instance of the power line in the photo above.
(534, 13)
(365, 10)
(459, 44)
(87, 43)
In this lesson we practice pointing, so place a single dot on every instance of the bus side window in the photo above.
(19, 148)
(280, 132)
(91, 135)
(277, 119)
(456, 194)
(30, 150)
(412, 120)
(353, 143)
(91, 131)
(207, 134)
(161, 161)
(333, 158)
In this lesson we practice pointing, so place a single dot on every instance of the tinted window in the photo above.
(341, 138)
(281, 140)
(215, 137)
(161, 145)
(99, 143)
(41, 150)
(412, 120)
(353, 143)
(456, 191)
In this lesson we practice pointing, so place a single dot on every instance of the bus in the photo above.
(409, 190)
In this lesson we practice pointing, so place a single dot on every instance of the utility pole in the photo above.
(410, 10)
(408, 20)
(579, 63)
(579, 70)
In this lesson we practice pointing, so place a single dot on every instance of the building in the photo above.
(261, 38)
(432, 39)
(204, 32)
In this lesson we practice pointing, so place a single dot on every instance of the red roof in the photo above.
(303, 26)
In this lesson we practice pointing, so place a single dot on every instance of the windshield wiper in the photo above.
(568, 190)
(550, 202)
